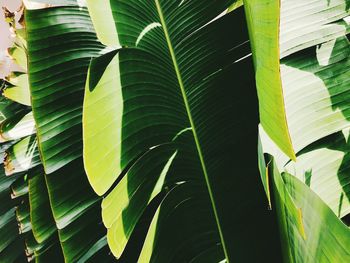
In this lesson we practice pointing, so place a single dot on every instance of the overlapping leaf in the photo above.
(18, 137)
(39, 230)
(311, 59)
(309, 38)
(61, 43)
(311, 231)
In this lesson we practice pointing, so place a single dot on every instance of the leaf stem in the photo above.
(183, 92)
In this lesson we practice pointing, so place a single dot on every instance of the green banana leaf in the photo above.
(311, 59)
(36, 250)
(169, 118)
(14, 188)
(322, 237)
(21, 156)
(302, 65)
(59, 52)
(17, 240)
(171, 85)
(263, 19)
(38, 228)
(21, 159)
(11, 243)
(43, 223)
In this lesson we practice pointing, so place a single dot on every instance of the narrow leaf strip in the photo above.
(102, 122)
(263, 23)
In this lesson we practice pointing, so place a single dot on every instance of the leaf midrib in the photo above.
(188, 110)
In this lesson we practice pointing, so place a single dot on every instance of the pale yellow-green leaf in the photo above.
(102, 122)
(102, 18)
(263, 22)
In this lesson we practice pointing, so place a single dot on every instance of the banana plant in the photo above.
(156, 105)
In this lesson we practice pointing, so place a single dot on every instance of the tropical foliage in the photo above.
(132, 133)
